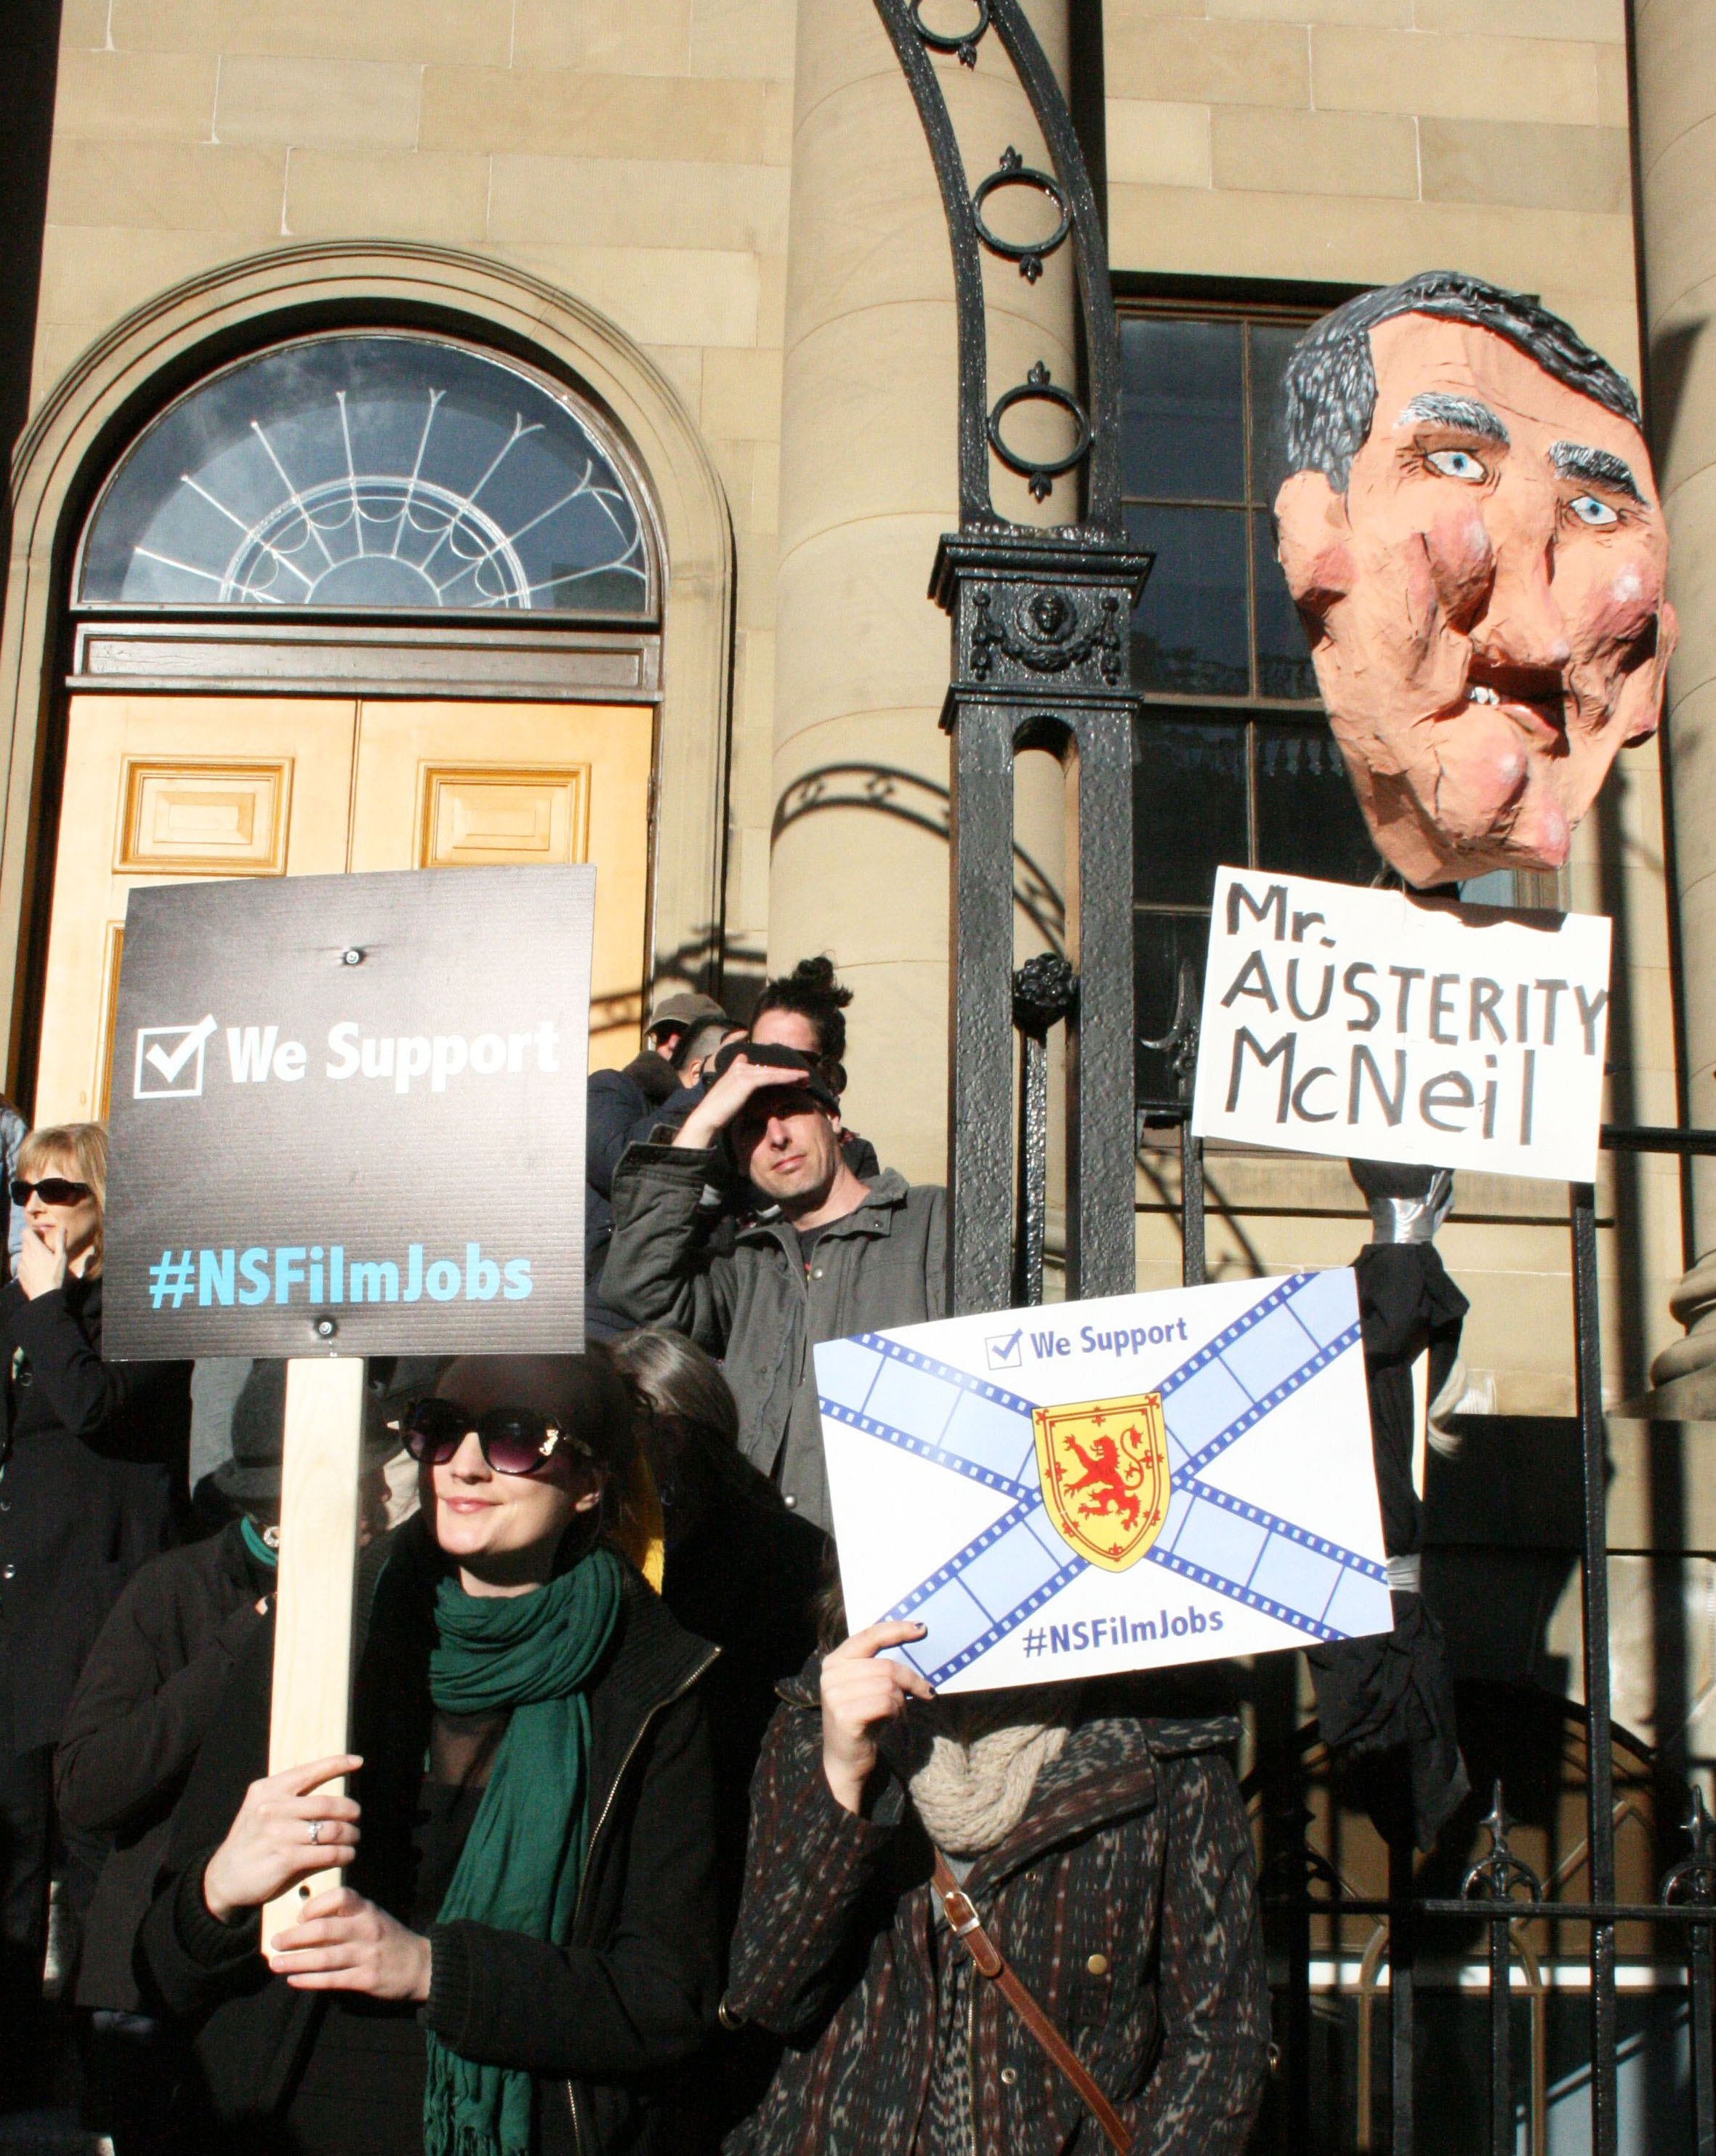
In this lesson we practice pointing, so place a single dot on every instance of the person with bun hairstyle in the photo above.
(524, 1948)
(806, 1009)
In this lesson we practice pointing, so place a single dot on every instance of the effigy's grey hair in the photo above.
(1328, 392)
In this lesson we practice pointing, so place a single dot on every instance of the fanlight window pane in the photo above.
(369, 471)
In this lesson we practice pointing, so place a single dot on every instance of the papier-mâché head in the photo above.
(1471, 530)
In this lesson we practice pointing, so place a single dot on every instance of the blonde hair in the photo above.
(79, 1151)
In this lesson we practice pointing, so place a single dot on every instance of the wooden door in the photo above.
(158, 789)
(450, 785)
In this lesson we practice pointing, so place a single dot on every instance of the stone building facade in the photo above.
(711, 229)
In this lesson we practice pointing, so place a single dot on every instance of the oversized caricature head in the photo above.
(1471, 530)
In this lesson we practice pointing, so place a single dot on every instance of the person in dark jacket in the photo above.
(747, 1574)
(616, 1103)
(741, 1569)
(1105, 1850)
(833, 1255)
(142, 1708)
(92, 1475)
(528, 1945)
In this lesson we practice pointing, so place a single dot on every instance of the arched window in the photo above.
(372, 471)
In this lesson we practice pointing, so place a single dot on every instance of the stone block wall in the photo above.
(633, 155)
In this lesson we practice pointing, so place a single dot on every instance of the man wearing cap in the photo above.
(617, 1101)
(831, 1255)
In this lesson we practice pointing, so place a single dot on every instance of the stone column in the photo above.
(1675, 44)
(1675, 59)
(859, 867)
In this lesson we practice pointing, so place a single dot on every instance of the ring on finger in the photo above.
(315, 1831)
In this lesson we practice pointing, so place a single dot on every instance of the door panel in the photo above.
(445, 784)
(161, 787)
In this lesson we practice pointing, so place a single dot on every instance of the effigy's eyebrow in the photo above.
(1597, 468)
(1439, 410)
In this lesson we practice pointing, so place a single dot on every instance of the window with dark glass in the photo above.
(1233, 761)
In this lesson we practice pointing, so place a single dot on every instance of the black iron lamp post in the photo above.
(1041, 660)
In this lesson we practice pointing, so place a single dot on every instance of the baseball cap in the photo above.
(687, 1009)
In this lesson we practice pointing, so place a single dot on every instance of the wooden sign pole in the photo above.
(318, 1567)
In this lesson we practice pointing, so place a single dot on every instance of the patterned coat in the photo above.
(1125, 1899)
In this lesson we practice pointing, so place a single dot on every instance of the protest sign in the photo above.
(348, 1116)
(1122, 1484)
(1376, 1025)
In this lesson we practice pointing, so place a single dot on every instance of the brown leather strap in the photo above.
(991, 1962)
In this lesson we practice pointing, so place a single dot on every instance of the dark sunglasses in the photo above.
(52, 1190)
(515, 1440)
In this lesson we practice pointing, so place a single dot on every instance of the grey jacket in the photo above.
(883, 1265)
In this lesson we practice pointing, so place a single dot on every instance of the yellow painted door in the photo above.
(158, 788)
(447, 785)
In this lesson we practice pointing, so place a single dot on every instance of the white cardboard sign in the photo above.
(1125, 1484)
(1375, 1026)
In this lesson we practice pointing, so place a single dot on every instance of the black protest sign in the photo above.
(348, 1116)
(1377, 1025)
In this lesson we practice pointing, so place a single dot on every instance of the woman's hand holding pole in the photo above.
(860, 1691)
(288, 1828)
(342, 1942)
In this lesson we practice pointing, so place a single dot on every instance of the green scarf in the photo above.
(258, 1548)
(524, 1857)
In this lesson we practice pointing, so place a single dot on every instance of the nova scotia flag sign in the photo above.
(1094, 1486)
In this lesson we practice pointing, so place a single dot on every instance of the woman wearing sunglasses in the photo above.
(92, 1468)
(524, 1944)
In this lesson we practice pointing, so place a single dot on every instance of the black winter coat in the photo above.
(137, 1719)
(601, 2022)
(92, 1478)
(746, 1578)
(616, 1102)
(1125, 1899)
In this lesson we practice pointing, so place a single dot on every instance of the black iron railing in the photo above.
(1500, 1889)
(1041, 658)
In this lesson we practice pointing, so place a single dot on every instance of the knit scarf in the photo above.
(254, 1543)
(971, 1764)
(522, 1861)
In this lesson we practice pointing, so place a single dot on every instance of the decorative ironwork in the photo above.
(1030, 255)
(1500, 1877)
(1041, 660)
(1179, 1045)
(1045, 990)
(964, 44)
(1046, 631)
(1039, 472)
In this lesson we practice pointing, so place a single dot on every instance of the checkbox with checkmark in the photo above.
(1003, 1349)
(169, 1065)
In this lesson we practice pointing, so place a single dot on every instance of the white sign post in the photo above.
(348, 1120)
(1374, 1025)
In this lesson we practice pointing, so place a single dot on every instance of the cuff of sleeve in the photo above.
(838, 1834)
(448, 2007)
(209, 1943)
(237, 1628)
(683, 1162)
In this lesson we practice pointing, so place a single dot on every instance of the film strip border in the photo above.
(1018, 1563)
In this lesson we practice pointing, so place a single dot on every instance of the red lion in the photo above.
(1114, 1479)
